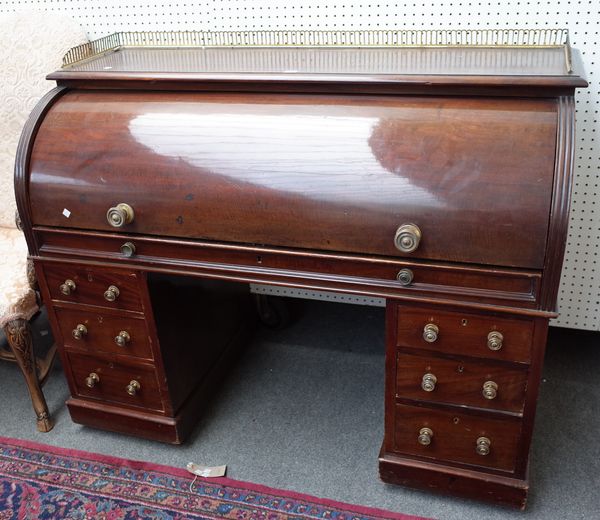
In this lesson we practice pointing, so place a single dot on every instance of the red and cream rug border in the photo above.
(223, 482)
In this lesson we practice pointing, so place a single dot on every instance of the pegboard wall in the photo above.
(579, 297)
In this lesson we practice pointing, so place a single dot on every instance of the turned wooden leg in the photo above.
(18, 334)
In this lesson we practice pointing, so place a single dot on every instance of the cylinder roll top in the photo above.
(343, 173)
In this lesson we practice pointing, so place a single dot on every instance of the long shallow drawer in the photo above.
(464, 383)
(103, 332)
(94, 286)
(111, 381)
(464, 333)
(392, 276)
(455, 437)
(320, 172)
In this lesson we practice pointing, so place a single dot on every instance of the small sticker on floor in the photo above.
(206, 471)
(66, 213)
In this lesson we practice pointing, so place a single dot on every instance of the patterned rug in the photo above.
(44, 482)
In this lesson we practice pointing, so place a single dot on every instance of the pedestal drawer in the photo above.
(103, 332)
(455, 437)
(115, 382)
(111, 288)
(464, 333)
(459, 382)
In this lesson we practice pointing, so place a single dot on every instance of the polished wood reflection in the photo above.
(315, 172)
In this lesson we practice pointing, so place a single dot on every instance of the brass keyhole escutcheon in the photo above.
(133, 387)
(67, 287)
(79, 331)
(428, 382)
(122, 338)
(430, 332)
(92, 380)
(425, 436)
(482, 446)
(407, 238)
(494, 340)
(112, 293)
(119, 215)
(490, 390)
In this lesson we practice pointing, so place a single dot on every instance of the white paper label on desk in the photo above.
(206, 471)
(66, 213)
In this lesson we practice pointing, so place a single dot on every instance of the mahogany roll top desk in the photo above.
(168, 170)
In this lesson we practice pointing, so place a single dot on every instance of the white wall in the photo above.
(579, 298)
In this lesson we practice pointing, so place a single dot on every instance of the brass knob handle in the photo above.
(120, 215)
(92, 380)
(494, 340)
(122, 338)
(430, 332)
(407, 238)
(490, 390)
(425, 435)
(428, 382)
(112, 293)
(79, 331)
(68, 287)
(128, 249)
(482, 446)
(405, 277)
(133, 387)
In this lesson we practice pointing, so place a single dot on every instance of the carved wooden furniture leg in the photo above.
(18, 334)
(43, 365)
(7, 355)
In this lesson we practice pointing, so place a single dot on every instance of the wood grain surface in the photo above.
(460, 382)
(455, 435)
(102, 328)
(114, 377)
(91, 283)
(465, 333)
(316, 172)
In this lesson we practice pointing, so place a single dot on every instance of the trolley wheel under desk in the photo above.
(273, 311)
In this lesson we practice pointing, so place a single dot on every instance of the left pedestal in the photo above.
(142, 352)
